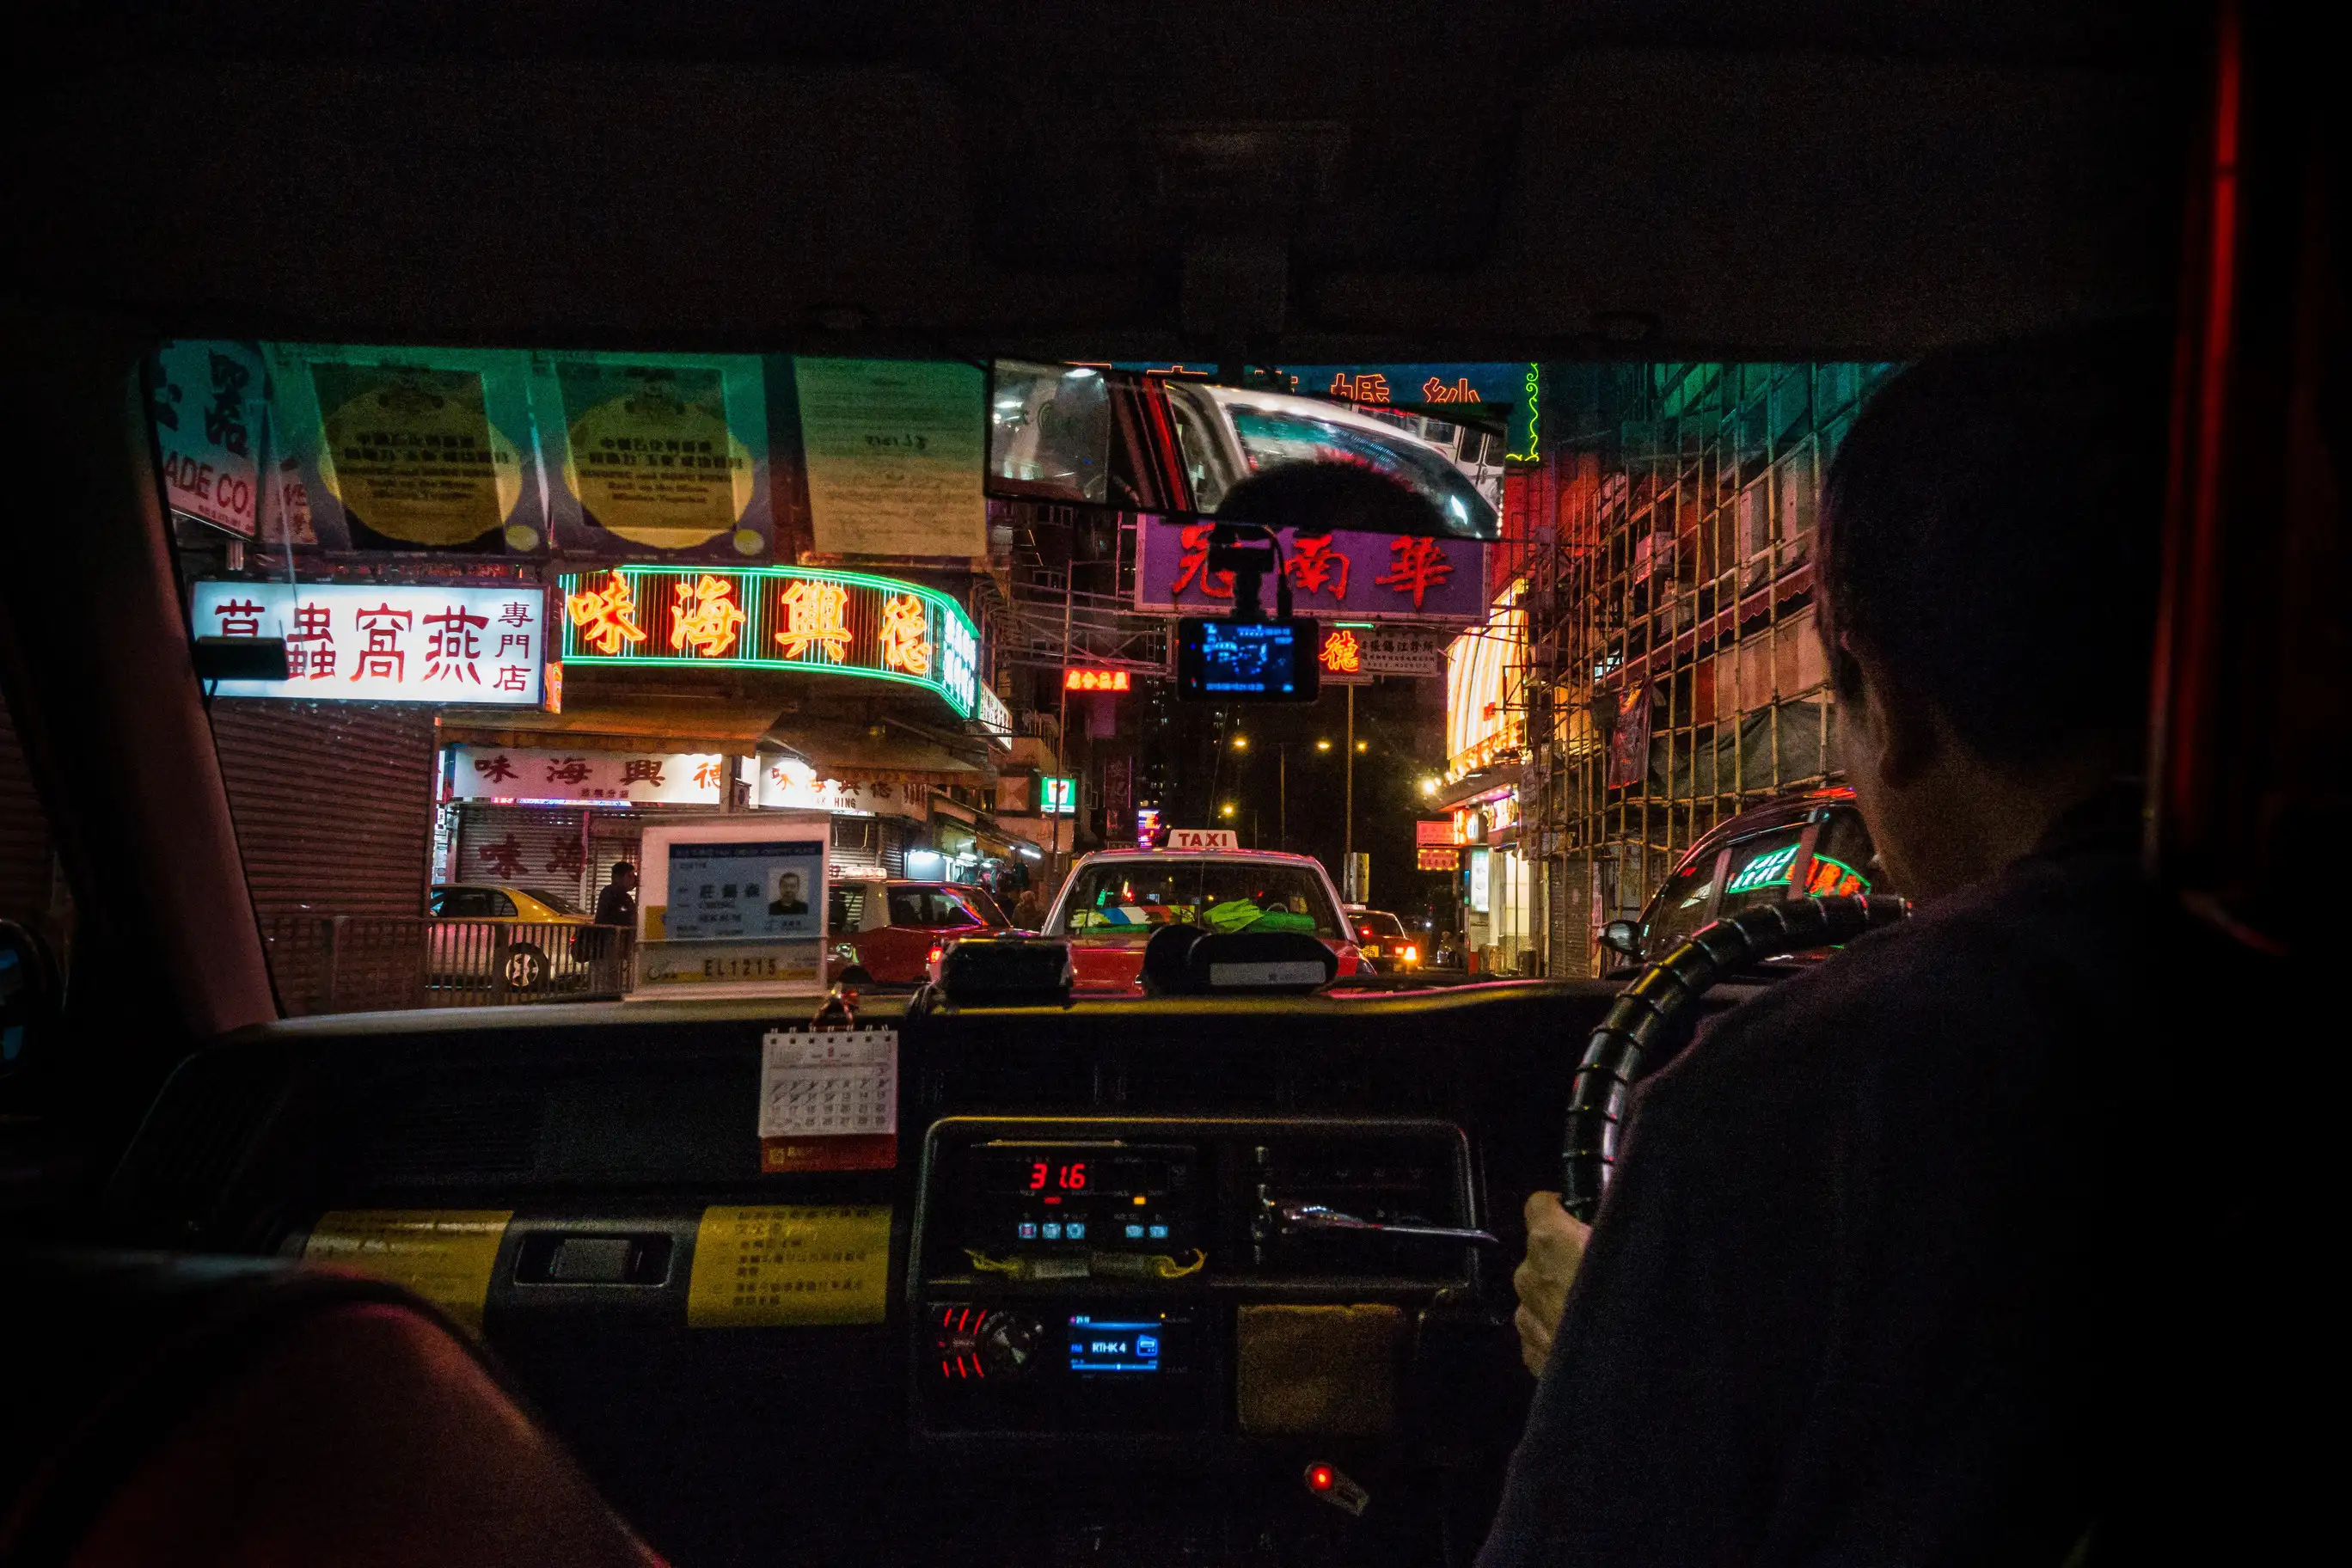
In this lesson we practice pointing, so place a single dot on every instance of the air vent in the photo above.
(984, 1081)
(443, 1139)
(1181, 1080)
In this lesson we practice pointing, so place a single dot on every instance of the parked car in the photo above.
(1114, 899)
(481, 933)
(1814, 842)
(888, 932)
(1383, 940)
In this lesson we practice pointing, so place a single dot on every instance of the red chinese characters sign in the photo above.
(370, 642)
(515, 772)
(1336, 575)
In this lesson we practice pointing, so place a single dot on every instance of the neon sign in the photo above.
(1766, 870)
(1343, 654)
(1095, 680)
(773, 618)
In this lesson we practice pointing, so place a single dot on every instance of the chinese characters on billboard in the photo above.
(372, 642)
(842, 622)
(1338, 576)
(518, 773)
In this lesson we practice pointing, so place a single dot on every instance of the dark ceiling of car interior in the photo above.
(1836, 178)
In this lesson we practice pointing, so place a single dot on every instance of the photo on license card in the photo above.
(724, 890)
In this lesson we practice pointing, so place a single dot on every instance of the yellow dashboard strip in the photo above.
(446, 1256)
(795, 1265)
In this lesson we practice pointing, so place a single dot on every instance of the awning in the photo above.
(1470, 786)
(683, 722)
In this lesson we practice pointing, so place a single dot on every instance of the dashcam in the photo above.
(1224, 660)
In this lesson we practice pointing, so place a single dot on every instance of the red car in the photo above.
(1113, 900)
(886, 933)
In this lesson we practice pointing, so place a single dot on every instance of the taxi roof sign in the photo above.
(1203, 838)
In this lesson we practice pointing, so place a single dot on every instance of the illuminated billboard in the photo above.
(768, 617)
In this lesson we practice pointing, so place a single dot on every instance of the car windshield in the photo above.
(1126, 900)
(544, 680)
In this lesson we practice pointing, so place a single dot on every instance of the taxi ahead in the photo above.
(1113, 900)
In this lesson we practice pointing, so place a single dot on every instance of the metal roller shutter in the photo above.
(333, 804)
(613, 836)
(539, 848)
(859, 846)
(24, 854)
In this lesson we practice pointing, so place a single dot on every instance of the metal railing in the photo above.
(355, 963)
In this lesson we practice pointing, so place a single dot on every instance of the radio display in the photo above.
(1109, 1345)
(1083, 1197)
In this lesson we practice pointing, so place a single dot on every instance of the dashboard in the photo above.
(1152, 1280)
(1097, 1277)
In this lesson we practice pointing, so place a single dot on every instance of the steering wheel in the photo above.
(1663, 997)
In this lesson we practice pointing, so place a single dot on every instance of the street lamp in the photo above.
(1428, 786)
(1363, 745)
(1322, 746)
(1241, 743)
(1227, 809)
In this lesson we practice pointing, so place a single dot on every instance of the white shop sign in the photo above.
(514, 774)
(789, 784)
(1410, 650)
(374, 642)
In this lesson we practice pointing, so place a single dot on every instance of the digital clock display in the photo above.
(1090, 1197)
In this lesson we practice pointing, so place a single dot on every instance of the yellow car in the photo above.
(484, 934)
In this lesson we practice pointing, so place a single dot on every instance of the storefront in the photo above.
(1500, 886)
(1484, 739)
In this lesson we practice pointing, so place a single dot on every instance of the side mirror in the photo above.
(1623, 937)
(29, 995)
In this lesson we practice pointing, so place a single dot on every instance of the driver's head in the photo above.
(1989, 549)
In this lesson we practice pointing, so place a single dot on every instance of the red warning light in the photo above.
(1318, 1478)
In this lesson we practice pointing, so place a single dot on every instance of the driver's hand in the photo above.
(1556, 1241)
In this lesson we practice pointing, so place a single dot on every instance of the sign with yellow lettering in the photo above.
(411, 454)
(446, 1256)
(788, 1265)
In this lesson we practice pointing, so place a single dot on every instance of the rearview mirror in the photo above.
(1092, 435)
(1622, 936)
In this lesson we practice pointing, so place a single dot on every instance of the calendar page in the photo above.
(829, 1099)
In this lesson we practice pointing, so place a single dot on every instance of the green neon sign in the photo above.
(1764, 872)
(773, 618)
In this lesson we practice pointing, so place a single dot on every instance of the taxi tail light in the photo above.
(1412, 954)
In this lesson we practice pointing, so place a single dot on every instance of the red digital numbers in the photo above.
(1069, 1178)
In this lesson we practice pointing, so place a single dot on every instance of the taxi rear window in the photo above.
(1130, 899)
